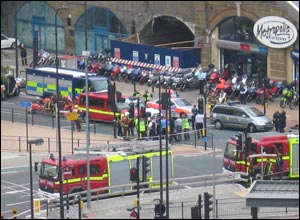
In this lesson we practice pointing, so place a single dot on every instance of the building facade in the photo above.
(222, 30)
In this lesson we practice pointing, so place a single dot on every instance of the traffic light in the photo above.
(134, 174)
(111, 94)
(239, 141)
(208, 204)
(201, 105)
(143, 111)
(248, 141)
(146, 167)
(131, 110)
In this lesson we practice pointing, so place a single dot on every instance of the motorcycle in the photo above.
(287, 97)
(295, 102)
(189, 81)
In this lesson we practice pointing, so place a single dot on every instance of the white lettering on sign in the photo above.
(275, 32)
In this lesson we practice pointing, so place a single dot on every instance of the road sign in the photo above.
(205, 139)
(25, 104)
(133, 215)
(67, 173)
(72, 116)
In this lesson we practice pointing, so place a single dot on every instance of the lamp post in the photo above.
(35, 142)
(58, 118)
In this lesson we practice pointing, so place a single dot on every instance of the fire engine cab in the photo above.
(265, 155)
(107, 168)
(101, 108)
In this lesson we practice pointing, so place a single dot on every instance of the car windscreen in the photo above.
(122, 105)
(254, 112)
(181, 102)
(100, 85)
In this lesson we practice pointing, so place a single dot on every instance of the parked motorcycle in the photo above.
(295, 102)
(287, 97)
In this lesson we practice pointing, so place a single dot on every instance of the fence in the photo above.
(18, 143)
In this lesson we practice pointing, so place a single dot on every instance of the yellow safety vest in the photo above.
(186, 123)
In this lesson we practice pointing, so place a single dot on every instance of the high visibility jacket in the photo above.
(148, 96)
(186, 123)
(142, 125)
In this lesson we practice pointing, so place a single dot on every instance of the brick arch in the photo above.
(221, 15)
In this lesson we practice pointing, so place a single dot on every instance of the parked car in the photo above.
(178, 106)
(8, 42)
(238, 116)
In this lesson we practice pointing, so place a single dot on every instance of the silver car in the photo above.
(241, 117)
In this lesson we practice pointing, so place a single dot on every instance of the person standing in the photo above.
(282, 121)
(186, 127)
(23, 54)
(147, 95)
(179, 126)
(201, 82)
(276, 120)
(243, 92)
(194, 113)
(199, 119)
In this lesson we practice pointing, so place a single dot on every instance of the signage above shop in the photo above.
(247, 47)
(275, 32)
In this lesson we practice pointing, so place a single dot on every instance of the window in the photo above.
(81, 170)
(231, 151)
(96, 102)
(95, 169)
(237, 29)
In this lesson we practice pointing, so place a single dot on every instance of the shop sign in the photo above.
(275, 32)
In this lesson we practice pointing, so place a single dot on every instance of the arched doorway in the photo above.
(101, 25)
(38, 15)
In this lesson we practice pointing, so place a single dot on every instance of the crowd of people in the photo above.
(177, 128)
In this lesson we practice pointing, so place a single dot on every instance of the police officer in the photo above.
(147, 95)
(141, 127)
(186, 127)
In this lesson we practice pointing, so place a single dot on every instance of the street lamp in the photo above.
(58, 118)
(35, 142)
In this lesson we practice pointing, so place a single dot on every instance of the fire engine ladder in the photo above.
(132, 147)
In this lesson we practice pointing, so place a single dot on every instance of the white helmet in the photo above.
(126, 113)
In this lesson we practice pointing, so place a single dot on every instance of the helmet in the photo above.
(126, 114)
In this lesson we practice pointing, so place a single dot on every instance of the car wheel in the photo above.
(251, 128)
(218, 125)
(13, 45)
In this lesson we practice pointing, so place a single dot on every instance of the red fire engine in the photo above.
(107, 169)
(263, 155)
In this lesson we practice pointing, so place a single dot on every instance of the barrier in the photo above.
(145, 65)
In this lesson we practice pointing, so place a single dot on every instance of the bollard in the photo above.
(14, 213)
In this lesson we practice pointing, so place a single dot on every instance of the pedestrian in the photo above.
(276, 120)
(172, 131)
(201, 81)
(243, 92)
(194, 113)
(23, 54)
(282, 121)
(179, 126)
(199, 120)
(152, 128)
